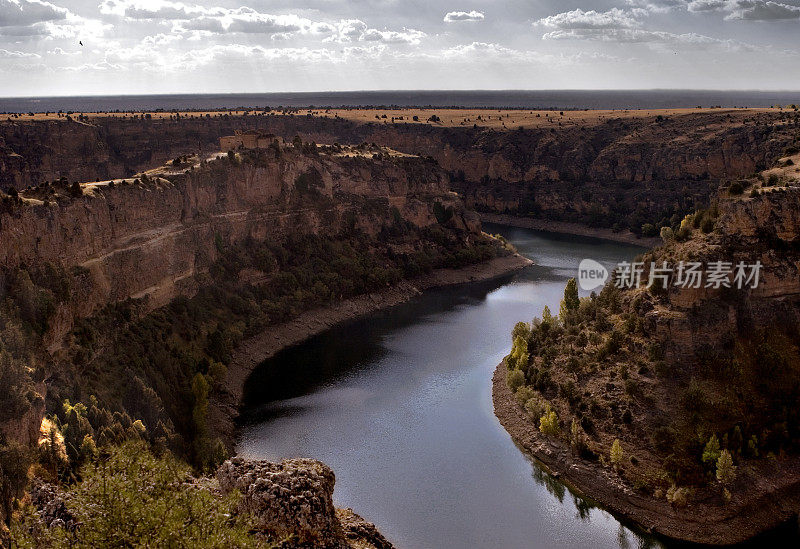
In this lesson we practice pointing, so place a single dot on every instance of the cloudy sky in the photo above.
(165, 46)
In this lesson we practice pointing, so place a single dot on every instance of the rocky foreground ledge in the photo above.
(293, 500)
(290, 502)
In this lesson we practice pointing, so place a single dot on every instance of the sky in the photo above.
(238, 46)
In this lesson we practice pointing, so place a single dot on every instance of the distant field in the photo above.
(486, 118)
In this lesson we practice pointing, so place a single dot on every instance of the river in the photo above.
(399, 405)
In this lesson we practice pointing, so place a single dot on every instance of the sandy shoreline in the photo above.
(253, 351)
(774, 500)
(564, 227)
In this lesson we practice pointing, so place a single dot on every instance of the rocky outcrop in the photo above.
(293, 501)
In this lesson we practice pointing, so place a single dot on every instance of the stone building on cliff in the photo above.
(247, 139)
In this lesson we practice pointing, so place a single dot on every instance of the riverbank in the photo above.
(253, 351)
(564, 227)
(765, 505)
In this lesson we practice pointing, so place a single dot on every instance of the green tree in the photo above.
(548, 423)
(726, 470)
(616, 454)
(516, 379)
(14, 463)
(131, 498)
(711, 452)
(571, 301)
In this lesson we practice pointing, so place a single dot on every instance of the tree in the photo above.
(131, 498)
(548, 423)
(571, 301)
(711, 452)
(519, 353)
(521, 329)
(14, 463)
(726, 470)
(616, 454)
(75, 190)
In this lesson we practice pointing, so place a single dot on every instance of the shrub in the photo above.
(649, 230)
(548, 423)
(515, 379)
(678, 496)
(735, 189)
(134, 499)
(536, 407)
(523, 394)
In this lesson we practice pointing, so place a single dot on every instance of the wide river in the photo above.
(399, 405)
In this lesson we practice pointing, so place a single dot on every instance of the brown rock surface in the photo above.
(293, 500)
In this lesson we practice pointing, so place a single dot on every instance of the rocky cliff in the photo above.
(149, 238)
(621, 172)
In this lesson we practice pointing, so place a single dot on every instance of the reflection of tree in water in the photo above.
(622, 537)
(584, 507)
(547, 480)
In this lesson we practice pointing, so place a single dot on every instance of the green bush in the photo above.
(131, 498)
(548, 423)
(515, 379)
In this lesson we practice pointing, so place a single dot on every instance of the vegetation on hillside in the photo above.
(129, 497)
(596, 376)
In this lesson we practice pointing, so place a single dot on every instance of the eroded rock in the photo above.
(293, 501)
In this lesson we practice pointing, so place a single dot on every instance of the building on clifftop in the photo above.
(248, 139)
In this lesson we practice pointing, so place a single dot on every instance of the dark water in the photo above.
(399, 404)
(528, 99)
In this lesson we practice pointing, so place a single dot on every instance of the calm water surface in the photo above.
(399, 405)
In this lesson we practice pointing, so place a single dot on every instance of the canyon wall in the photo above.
(617, 172)
(149, 239)
(693, 322)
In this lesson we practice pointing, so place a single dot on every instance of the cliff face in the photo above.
(622, 172)
(150, 239)
(763, 229)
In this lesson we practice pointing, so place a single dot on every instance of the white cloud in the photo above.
(706, 5)
(614, 18)
(759, 10)
(657, 6)
(7, 54)
(355, 30)
(23, 13)
(456, 16)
